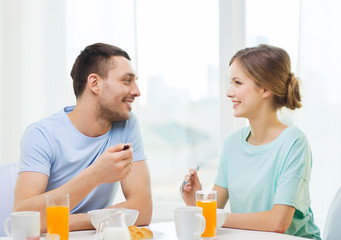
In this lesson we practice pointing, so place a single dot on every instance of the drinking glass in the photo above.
(52, 237)
(207, 199)
(57, 213)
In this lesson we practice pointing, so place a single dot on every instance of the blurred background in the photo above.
(181, 50)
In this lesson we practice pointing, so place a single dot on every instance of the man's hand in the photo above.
(113, 165)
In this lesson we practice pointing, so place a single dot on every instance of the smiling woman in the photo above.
(264, 168)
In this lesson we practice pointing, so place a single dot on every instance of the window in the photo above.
(275, 23)
(177, 49)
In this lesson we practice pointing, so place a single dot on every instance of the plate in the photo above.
(158, 235)
(91, 234)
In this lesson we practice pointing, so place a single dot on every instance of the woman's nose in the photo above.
(229, 92)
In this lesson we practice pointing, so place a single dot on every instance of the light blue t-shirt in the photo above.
(257, 177)
(53, 146)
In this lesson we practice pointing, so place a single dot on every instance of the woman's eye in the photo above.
(236, 83)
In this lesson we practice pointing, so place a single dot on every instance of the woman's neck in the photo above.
(265, 129)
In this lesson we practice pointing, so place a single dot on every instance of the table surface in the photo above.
(166, 231)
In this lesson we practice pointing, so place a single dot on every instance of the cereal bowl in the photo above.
(97, 216)
(221, 216)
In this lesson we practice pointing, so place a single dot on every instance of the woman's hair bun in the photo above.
(293, 95)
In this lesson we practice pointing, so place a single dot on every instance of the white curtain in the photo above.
(320, 117)
(33, 67)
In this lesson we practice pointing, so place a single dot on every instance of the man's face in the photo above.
(117, 91)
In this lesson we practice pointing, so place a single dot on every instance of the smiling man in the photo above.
(79, 150)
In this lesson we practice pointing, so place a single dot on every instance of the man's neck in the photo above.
(85, 121)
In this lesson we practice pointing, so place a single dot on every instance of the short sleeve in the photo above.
(293, 183)
(133, 135)
(221, 179)
(36, 152)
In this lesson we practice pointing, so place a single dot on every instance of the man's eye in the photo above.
(127, 81)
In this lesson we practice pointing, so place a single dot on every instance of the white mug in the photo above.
(189, 223)
(24, 225)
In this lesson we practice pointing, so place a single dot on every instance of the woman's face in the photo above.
(245, 94)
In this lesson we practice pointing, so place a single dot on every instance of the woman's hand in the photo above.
(188, 189)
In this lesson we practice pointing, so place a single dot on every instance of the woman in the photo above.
(264, 168)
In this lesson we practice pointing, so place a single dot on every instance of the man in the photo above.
(79, 150)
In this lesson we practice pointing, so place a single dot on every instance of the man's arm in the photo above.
(112, 166)
(30, 192)
(137, 191)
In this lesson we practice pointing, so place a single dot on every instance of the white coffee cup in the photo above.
(24, 225)
(189, 223)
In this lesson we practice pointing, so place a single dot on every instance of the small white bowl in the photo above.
(96, 216)
(221, 216)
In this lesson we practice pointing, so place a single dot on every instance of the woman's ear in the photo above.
(266, 93)
(93, 83)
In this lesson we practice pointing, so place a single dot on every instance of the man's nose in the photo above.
(135, 90)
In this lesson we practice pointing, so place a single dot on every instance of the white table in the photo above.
(168, 228)
(166, 231)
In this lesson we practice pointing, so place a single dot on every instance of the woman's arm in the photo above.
(278, 219)
(222, 196)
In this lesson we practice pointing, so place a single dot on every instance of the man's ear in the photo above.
(93, 83)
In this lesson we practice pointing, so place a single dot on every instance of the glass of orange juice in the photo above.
(57, 213)
(207, 199)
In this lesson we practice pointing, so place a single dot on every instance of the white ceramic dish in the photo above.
(87, 234)
(221, 216)
(96, 216)
(158, 235)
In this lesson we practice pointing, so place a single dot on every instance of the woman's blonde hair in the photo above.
(270, 68)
